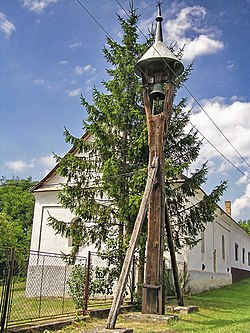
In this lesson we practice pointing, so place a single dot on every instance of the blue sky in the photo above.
(51, 52)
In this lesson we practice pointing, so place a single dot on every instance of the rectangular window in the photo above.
(248, 258)
(202, 242)
(223, 247)
(243, 255)
(214, 259)
(236, 254)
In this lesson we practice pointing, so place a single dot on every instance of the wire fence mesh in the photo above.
(41, 289)
(43, 285)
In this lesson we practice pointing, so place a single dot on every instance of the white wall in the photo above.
(205, 262)
(240, 237)
(206, 265)
(222, 230)
(44, 238)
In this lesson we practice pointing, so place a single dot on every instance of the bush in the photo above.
(76, 283)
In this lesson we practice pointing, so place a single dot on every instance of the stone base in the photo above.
(148, 317)
(182, 309)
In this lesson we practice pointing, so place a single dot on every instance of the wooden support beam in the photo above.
(113, 313)
(170, 240)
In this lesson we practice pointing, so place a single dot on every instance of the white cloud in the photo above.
(188, 30)
(6, 26)
(89, 82)
(242, 203)
(37, 6)
(200, 46)
(243, 180)
(238, 98)
(63, 62)
(232, 117)
(74, 92)
(48, 161)
(145, 25)
(81, 70)
(185, 20)
(75, 45)
(19, 165)
(234, 121)
(39, 82)
(230, 66)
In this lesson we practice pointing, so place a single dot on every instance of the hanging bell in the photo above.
(157, 92)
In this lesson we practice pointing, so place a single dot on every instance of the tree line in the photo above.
(16, 217)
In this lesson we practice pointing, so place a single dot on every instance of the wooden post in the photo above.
(113, 313)
(173, 259)
(132, 292)
(153, 291)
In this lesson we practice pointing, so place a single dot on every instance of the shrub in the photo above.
(76, 283)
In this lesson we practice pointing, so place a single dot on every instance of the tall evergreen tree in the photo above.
(115, 162)
(106, 178)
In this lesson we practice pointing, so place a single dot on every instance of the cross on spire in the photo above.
(159, 3)
(159, 19)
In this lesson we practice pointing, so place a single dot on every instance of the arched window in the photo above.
(72, 225)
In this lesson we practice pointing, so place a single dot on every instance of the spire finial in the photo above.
(159, 19)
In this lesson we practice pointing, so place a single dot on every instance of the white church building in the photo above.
(220, 258)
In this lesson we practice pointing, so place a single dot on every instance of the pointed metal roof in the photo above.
(158, 58)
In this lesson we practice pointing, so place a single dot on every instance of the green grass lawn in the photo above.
(26, 308)
(225, 310)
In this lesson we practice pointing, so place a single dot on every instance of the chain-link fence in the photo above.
(34, 286)
(37, 286)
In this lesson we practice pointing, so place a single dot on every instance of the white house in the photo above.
(220, 258)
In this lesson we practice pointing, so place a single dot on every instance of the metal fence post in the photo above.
(41, 288)
(87, 278)
(64, 287)
(7, 291)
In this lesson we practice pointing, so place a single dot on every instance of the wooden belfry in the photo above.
(158, 68)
